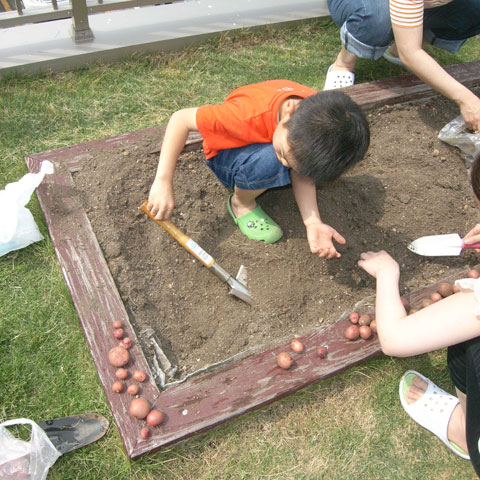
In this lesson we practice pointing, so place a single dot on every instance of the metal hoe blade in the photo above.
(238, 285)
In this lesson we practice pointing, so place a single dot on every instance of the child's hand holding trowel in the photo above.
(161, 200)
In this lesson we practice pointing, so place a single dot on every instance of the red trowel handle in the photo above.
(473, 245)
(184, 240)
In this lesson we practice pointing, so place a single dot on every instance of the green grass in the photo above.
(347, 427)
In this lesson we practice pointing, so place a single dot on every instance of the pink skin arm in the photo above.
(320, 236)
(447, 322)
(161, 199)
(409, 44)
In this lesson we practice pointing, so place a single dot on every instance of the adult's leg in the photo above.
(365, 30)
(449, 26)
(464, 365)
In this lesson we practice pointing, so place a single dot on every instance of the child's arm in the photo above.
(319, 234)
(447, 322)
(160, 200)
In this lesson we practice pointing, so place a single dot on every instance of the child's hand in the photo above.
(376, 262)
(160, 200)
(319, 236)
(473, 236)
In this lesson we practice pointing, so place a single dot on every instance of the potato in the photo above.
(118, 356)
(284, 360)
(426, 302)
(296, 345)
(473, 273)
(365, 332)
(445, 289)
(139, 408)
(352, 332)
(435, 297)
(364, 319)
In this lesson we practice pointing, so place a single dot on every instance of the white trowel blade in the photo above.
(437, 245)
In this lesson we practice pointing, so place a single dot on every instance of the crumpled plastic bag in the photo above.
(25, 460)
(456, 133)
(17, 226)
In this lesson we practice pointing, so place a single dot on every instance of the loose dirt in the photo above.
(410, 184)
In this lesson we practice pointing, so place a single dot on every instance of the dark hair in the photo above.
(327, 134)
(475, 176)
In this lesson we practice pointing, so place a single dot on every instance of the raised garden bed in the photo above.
(95, 228)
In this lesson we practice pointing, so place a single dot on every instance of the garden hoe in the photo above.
(237, 285)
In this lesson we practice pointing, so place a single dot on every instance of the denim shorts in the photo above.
(366, 29)
(253, 167)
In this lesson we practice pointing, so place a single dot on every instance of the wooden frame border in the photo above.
(205, 401)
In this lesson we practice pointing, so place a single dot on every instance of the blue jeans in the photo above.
(366, 29)
(253, 167)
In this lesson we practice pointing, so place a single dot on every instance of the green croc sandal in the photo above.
(257, 225)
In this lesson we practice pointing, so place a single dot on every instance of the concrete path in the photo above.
(49, 46)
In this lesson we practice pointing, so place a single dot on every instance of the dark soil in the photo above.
(410, 184)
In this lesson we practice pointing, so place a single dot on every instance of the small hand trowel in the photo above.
(70, 433)
(449, 245)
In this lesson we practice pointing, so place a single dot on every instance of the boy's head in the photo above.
(322, 135)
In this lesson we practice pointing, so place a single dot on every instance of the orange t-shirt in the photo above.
(248, 115)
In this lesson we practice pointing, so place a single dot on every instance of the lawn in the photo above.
(348, 427)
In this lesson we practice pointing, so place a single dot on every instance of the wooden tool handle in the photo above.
(168, 226)
(184, 240)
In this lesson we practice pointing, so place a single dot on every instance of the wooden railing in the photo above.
(13, 12)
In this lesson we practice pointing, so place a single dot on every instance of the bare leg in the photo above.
(243, 201)
(456, 426)
(393, 50)
(345, 61)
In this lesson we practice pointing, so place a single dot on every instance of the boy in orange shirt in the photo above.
(267, 135)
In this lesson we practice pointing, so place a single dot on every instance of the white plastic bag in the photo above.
(25, 460)
(456, 133)
(17, 226)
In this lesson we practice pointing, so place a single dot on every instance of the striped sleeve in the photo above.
(407, 13)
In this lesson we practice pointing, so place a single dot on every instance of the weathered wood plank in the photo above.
(208, 400)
